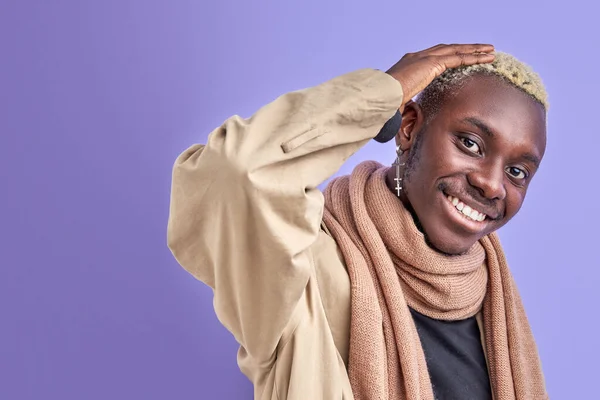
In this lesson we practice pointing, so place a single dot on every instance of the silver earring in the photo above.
(398, 164)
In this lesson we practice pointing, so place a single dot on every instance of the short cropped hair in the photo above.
(505, 67)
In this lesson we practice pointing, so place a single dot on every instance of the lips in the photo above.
(461, 223)
(466, 210)
(490, 212)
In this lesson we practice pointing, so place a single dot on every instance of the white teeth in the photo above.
(466, 210)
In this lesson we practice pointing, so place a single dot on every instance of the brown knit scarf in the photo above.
(391, 268)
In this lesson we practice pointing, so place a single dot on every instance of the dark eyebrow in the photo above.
(532, 159)
(480, 124)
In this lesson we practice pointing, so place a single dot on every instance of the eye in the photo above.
(517, 172)
(471, 145)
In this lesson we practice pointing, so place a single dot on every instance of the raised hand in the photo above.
(415, 71)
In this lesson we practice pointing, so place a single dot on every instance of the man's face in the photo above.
(470, 170)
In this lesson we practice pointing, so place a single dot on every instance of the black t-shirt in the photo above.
(455, 358)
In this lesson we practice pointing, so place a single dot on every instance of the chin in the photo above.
(447, 243)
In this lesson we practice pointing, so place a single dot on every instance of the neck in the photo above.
(390, 181)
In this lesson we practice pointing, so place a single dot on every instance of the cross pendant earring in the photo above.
(397, 164)
(398, 180)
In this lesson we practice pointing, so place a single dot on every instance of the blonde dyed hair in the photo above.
(505, 67)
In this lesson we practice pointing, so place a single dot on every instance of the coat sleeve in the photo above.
(245, 207)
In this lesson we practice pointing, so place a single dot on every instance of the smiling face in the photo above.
(468, 168)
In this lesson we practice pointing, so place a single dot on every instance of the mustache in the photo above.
(492, 208)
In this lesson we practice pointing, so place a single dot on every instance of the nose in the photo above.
(489, 181)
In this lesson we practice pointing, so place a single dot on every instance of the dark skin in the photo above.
(483, 147)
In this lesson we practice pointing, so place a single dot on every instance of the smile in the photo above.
(465, 210)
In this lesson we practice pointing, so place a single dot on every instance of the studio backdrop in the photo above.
(97, 99)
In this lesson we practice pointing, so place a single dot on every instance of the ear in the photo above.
(412, 121)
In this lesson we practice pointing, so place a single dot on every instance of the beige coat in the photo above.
(245, 219)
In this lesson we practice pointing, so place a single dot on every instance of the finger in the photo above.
(457, 60)
(436, 47)
(461, 49)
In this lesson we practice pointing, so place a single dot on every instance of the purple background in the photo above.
(97, 99)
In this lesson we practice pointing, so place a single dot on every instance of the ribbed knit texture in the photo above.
(391, 268)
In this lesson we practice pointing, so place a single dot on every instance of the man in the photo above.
(392, 284)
